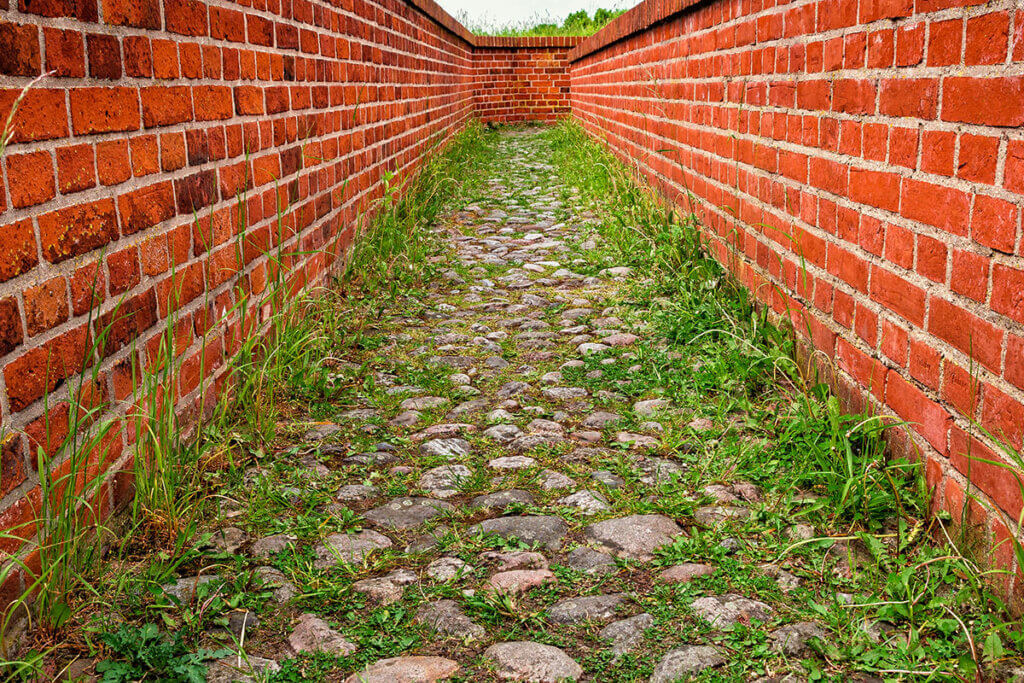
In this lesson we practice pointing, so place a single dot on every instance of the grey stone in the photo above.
(600, 419)
(502, 433)
(503, 499)
(445, 481)
(564, 393)
(725, 611)
(651, 407)
(407, 418)
(415, 669)
(526, 661)
(269, 546)
(518, 581)
(589, 561)
(185, 589)
(240, 669)
(356, 492)
(588, 608)
(544, 530)
(588, 348)
(349, 548)
(407, 513)
(794, 639)
(612, 481)
(684, 573)
(386, 589)
(228, 539)
(445, 569)
(626, 635)
(313, 634)
(552, 481)
(681, 662)
(515, 559)
(449, 449)
(719, 514)
(446, 617)
(636, 536)
(587, 502)
(512, 462)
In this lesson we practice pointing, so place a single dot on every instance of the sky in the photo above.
(489, 12)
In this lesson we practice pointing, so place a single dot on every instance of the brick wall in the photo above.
(522, 79)
(156, 110)
(879, 144)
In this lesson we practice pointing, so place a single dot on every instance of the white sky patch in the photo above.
(515, 12)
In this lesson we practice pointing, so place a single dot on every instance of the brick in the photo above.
(122, 326)
(1008, 291)
(11, 330)
(945, 42)
(925, 364)
(910, 44)
(124, 270)
(88, 287)
(17, 249)
(212, 103)
(186, 17)
(987, 39)
(76, 169)
(938, 152)
(853, 96)
(879, 189)
(74, 231)
(83, 10)
(19, 49)
(985, 101)
(978, 157)
(138, 57)
(104, 56)
(165, 59)
(145, 155)
(42, 368)
(1014, 173)
(898, 295)
(42, 114)
(227, 24)
(166, 106)
(970, 275)
(144, 208)
(932, 258)
(1003, 416)
(196, 191)
(31, 179)
(925, 416)
(65, 52)
(137, 13)
(248, 100)
(12, 467)
(172, 151)
(994, 223)
(46, 305)
(113, 165)
(942, 207)
(977, 338)
(986, 470)
(1015, 360)
(104, 110)
(915, 97)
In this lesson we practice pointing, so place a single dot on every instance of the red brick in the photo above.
(879, 189)
(11, 330)
(926, 417)
(910, 44)
(227, 24)
(17, 249)
(978, 156)
(942, 207)
(979, 339)
(42, 114)
(961, 389)
(144, 208)
(925, 364)
(165, 59)
(12, 466)
(172, 151)
(916, 97)
(938, 152)
(932, 258)
(248, 100)
(166, 106)
(41, 369)
(137, 13)
(945, 40)
(74, 231)
(124, 270)
(65, 52)
(212, 102)
(994, 223)
(83, 10)
(88, 287)
(899, 246)
(112, 162)
(31, 179)
(898, 295)
(985, 101)
(145, 155)
(138, 57)
(186, 17)
(104, 110)
(1003, 416)
(970, 275)
(46, 305)
(104, 56)
(123, 325)
(76, 170)
(987, 38)
(1015, 360)
(1014, 173)
(853, 96)
(1008, 291)
(986, 470)
(19, 49)
(195, 191)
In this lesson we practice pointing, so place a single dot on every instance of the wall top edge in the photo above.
(636, 20)
(442, 17)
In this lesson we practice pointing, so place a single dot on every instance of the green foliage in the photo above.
(576, 24)
(141, 653)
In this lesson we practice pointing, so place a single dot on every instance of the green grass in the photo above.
(576, 24)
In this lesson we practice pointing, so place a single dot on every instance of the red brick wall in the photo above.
(522, 79)
(158, 109)
(879, 143)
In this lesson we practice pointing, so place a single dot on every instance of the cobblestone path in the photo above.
(511, 494)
